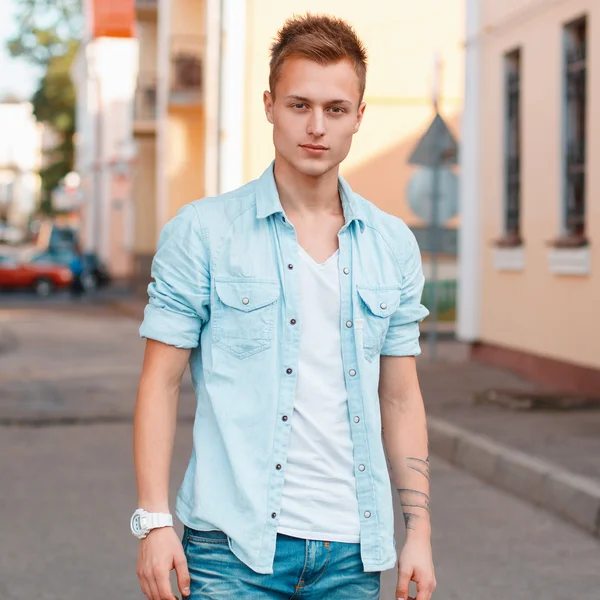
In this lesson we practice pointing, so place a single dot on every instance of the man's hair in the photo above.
(320, 38)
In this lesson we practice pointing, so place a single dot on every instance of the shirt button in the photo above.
(356, 419)
(278, 467)
(348, 324)
(288, 371)
(383, 305)
(245, 300)
(367, 514)
(273, 515)
(361, 467)
(352, 372)
(293, 321)
(346, 270)
(290, 266)
(284, 418)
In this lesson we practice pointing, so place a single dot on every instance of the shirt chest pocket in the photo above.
(243, 315)
(376, 306)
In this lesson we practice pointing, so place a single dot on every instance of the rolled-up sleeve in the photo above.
(403, 334)
(179, 296)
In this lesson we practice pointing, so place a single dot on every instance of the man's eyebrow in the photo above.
(303, 99)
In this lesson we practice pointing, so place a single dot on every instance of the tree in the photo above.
(48, 36)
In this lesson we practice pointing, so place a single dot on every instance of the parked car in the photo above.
(43, 277)
(93, 275)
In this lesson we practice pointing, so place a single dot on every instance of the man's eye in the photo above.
(336, 109)
(299, 105)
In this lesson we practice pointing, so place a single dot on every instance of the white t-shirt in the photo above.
(319, 495)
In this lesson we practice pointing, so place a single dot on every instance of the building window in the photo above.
(575, 82)
(512, 155)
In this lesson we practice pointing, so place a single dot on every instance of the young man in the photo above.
(296, 303)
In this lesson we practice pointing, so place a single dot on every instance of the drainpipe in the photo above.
(469, 251)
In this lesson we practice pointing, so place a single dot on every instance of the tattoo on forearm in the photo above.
(409, 520)
(420, 466)
(414, 498)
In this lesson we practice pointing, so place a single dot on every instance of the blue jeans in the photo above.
(302, 569)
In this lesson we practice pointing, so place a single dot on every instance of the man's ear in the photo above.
(359, 116)
(268, 102)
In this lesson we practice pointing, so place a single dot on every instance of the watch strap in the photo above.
(156, 520)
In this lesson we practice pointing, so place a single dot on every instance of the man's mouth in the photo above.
(313, 146)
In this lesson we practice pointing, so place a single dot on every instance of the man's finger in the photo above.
(163, 585)
(183, 575)
(403, 583)
(151, 583)
(425, 589)
(145, 589)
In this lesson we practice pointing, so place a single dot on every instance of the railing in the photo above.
(145, 98)
(187, 69)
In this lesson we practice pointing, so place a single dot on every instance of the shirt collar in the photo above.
(268, 203)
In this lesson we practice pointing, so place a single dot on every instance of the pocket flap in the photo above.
(381, 301)
(247, 295)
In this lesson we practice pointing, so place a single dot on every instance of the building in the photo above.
(530, 205)
(199, 122)
(104, 73)
(20, 160)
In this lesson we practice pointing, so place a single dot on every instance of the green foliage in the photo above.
(48, 32)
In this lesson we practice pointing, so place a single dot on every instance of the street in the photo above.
(68, 378)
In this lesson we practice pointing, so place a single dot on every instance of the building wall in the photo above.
(104, 75)
(185, 152)
(184, 133)
(144, 185)
(533, 310)
(401, 38)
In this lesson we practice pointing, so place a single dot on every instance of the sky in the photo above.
(17, 77)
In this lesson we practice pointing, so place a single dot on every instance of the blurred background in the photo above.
(481, 131)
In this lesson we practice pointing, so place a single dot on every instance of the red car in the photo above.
(43, 277)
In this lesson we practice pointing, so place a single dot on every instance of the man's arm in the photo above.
(153, 438)
(155, 422)
(405, 444)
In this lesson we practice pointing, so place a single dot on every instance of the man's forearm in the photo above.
(404, 433)
(155, 422)
(153, 439)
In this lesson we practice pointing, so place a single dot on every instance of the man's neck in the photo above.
(301, 194)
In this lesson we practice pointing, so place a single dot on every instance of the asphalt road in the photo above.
(67, 490)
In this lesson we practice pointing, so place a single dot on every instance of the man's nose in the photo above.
(316, 124)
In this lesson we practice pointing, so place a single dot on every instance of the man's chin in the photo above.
(314, 167)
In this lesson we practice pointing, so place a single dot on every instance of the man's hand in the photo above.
(415, 563)
(159, 553)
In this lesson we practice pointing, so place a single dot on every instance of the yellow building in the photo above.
(204, 66)
(530, 206)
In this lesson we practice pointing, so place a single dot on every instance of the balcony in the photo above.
(146, 9)
(187, 56)
(145, 104)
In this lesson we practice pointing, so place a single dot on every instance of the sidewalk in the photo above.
(551, 458)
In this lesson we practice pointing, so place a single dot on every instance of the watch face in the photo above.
(136, 523)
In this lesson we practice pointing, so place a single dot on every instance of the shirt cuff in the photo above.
(405, 342)
(168, 327)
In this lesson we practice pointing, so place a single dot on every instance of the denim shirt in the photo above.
(226, 285)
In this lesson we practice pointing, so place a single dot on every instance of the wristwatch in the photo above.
(142, 522)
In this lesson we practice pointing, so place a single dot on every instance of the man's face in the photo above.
(315, 113)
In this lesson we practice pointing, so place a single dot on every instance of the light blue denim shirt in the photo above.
(226, 285)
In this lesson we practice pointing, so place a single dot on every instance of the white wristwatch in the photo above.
(142, 522)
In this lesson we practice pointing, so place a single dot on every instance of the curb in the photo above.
(575, 498)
